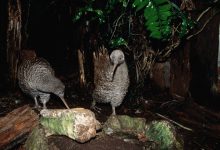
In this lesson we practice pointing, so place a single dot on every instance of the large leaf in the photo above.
(157, 14)
(140, 4)
(159, 2)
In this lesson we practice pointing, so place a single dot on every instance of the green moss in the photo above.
(112, 125)
(63, 125)
(135, 125)
(163, 133)
(37, 140)
(139, 124)
(124, 124)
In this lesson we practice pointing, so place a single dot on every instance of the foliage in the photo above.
(157, 14)
(159, 18)
(116, 42)
(98, 13)
(185, 23)
(148, 29)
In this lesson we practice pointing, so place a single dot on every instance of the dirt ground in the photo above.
(100, 143)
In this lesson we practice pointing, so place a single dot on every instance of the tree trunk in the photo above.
(180, 71)
(13, 37)
(81, 69)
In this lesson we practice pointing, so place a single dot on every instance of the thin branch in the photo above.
(116, 25)
(207, 21)
(174, 122)
(205, 11)
(189, 37)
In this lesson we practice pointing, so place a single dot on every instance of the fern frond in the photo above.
(157, 14)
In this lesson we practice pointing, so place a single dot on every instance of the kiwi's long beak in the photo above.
(64, 101)
(113, 71)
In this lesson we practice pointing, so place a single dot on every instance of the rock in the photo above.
(164, 134)
(37, 140)
(156, 135)
(78, 124)
(125, 124)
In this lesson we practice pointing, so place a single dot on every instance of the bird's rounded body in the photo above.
(107, 91)
(37, 79)
(110, 85)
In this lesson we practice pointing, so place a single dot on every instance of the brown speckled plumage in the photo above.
(36, 78)
(111, 78)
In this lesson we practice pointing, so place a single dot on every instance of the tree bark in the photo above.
(13, 37)
(180, 71)
(81, 60)
(16, 125)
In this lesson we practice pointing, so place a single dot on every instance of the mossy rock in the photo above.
(159, 134)
(78, 123)
(61, 125)
(37, 140)
(164, 134)
(125, 124)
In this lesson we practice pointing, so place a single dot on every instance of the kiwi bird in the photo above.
(37, 79)
(111, 79)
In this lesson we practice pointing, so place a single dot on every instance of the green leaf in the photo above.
(157, 14)
(191, 24)
(142, 5)
(186, 23)
(139, 4)
(165, 7)
(150, 13)
(99, 12)
(88, 9)
(136, 2)
(77, 16)
(119, 41)
(156, 35)
(124, 3)
(100, 15)
(159, 2)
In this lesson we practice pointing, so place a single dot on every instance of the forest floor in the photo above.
(204, 122)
